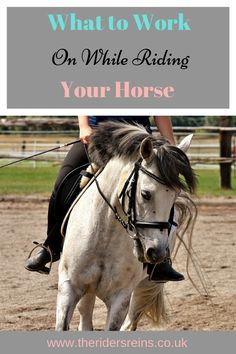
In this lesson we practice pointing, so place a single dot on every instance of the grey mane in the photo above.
(115, 139)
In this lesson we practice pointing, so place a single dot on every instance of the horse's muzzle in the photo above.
(156, 254)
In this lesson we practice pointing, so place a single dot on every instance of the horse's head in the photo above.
(159, 175)
(151, 174)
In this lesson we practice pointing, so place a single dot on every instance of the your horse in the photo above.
(120, 223)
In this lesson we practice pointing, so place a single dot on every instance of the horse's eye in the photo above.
(146, 195)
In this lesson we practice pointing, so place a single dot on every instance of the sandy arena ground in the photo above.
(27, 300)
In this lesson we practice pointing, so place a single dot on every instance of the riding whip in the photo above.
(41, 153)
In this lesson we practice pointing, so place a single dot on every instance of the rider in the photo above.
(77, 157)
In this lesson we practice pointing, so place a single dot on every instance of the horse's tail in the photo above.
(147, 299)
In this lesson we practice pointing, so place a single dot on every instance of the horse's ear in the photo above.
(146, 150)
(185, 143)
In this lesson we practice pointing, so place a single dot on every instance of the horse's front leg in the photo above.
(67, 299)
(118, 305)
(85, 307)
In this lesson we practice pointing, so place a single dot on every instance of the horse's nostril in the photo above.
(155, 255)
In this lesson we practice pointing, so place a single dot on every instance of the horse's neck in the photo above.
(112, 180)
(112, 173)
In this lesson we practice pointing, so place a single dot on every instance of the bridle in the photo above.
(130, 190)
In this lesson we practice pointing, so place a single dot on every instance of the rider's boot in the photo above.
(163, 272)
(51, 248)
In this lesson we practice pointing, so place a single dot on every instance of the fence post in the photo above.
(225, 151)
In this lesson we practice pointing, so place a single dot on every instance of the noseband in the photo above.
(129, 190)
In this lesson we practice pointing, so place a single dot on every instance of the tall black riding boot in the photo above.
(163, 272)
(51, 248)
(54, 238)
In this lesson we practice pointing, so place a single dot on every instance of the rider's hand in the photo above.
(85, 133)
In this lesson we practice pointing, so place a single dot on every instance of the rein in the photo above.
(116, 214)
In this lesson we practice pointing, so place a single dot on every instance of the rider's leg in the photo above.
(164, 271)
(76, 157)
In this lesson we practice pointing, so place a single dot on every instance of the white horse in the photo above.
(138, 185)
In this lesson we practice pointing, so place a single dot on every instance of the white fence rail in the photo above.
(205, 147)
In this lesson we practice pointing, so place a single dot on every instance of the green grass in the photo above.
(26, 180)
(209, 184)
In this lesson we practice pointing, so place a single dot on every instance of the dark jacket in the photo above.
(143, 120)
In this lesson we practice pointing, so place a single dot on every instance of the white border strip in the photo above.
(117, 3)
